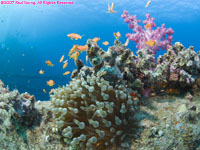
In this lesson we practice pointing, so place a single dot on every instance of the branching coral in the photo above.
(153, 39)
(92, 114)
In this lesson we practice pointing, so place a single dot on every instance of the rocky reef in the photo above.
(124, 101)
(165, 122)
(97, 109)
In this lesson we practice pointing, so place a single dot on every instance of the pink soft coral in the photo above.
(154, 39)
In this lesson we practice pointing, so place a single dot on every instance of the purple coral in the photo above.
(156, 38)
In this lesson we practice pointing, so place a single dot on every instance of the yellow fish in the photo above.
(50, 83)
(110, 9)
(151, 43)
(73, 49)
(96, 39)
(49, 63)
(66, 73)
(126, 43)
(74, 36)
(61, 59)
(148, 25)
(105, 43)
(117, 35)
(41, 72)
(65, 65)
(44, 90)
(75, 56)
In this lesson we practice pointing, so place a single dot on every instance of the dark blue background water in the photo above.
(40, 33)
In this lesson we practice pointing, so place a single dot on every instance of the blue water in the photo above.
(39, 33)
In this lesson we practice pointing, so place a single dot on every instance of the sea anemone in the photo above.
(92, 114)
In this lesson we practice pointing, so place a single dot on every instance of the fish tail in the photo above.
(82, 35)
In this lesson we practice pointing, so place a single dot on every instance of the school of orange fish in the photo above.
(77, 49)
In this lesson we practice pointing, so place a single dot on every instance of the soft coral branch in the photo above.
(154, 39)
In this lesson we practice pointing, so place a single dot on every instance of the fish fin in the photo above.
(82, 35)
(112, 5)
(108, 7)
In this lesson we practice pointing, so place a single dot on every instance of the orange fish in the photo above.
(151, 43)
(44, 90)
(74, 36)
(41, 72)
(50, 83)
(75, 56)
(147, 4)
(133, 95)
(49, 63)
(82, 48)
(96, 39)
(65, 64)
(105, 43)
(110, 9)
(73, 49)
(148, 25)
(126, 43)
(169, 46)
(51, 91)
(61, 59)
(66, 73)
(117, 35)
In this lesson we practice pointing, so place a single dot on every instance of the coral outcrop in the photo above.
(96, 109)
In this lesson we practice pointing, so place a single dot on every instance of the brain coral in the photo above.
(92, 114)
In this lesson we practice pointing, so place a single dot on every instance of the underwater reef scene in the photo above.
(122, 102)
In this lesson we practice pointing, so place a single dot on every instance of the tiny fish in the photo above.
(86, 58)
(75, 56)
(66, 73)
(82, 48)
(41, 72)
(126, 43)
(151, 43)
(105, 43)
(74, 36)
(65, 61)
(110, 9)
(147, 4)
(50, 83)
(133, 95)
(61, 59)
(147, 26)
(44, 90)
(117, 35)
(73, 49)
(51, 91)
(96, 39)
(65, 65)
(49, 63)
